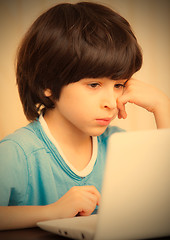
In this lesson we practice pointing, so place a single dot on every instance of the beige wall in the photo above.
(150, 21)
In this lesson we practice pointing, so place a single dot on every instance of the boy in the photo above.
(74, 72)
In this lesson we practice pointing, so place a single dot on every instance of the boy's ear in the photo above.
(47, 92)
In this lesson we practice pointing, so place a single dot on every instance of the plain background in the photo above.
(150, 21)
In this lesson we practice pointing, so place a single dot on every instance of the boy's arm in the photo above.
(162, 115)
(15, 217)
(79, 199)
(148, 97)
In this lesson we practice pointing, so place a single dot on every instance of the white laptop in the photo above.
(135, 202)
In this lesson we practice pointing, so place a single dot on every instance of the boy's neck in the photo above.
(76, 146)
(63, 132)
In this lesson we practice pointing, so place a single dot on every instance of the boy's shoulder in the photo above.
(109, 131)
(27, 138)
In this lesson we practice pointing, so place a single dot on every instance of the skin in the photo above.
(85, 109)
(78, 113)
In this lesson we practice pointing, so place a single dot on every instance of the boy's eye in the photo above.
(93, 85)
(119, 85)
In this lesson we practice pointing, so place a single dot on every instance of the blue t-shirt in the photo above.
(32, 171)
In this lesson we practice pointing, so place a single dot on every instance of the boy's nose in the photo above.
(109, 102)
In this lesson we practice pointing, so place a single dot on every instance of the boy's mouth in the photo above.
(104, 121)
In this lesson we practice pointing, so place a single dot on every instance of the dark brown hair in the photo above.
(70, 42)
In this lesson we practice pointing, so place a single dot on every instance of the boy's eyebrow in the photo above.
(123, 81)
(126, 82)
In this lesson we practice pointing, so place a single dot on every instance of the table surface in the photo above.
(29, 234)
(37, 234)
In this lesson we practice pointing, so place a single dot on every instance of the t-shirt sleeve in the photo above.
(13, 173)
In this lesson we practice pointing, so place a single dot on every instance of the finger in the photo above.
(92, 189)
(85, 192)
(121, 110)
(119, 115)
(86, 208)
(122, 114)
(87, 204)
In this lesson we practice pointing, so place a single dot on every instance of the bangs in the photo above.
(100, 47)
(118, 59)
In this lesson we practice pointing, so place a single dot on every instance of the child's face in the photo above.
(89, 105)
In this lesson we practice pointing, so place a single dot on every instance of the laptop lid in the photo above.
(135, 200)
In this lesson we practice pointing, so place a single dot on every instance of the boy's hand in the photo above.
(148, 97)
(80, 200)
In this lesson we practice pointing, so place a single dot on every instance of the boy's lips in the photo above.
(104, 121)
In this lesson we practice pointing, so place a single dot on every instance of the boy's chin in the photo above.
(99, 131)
